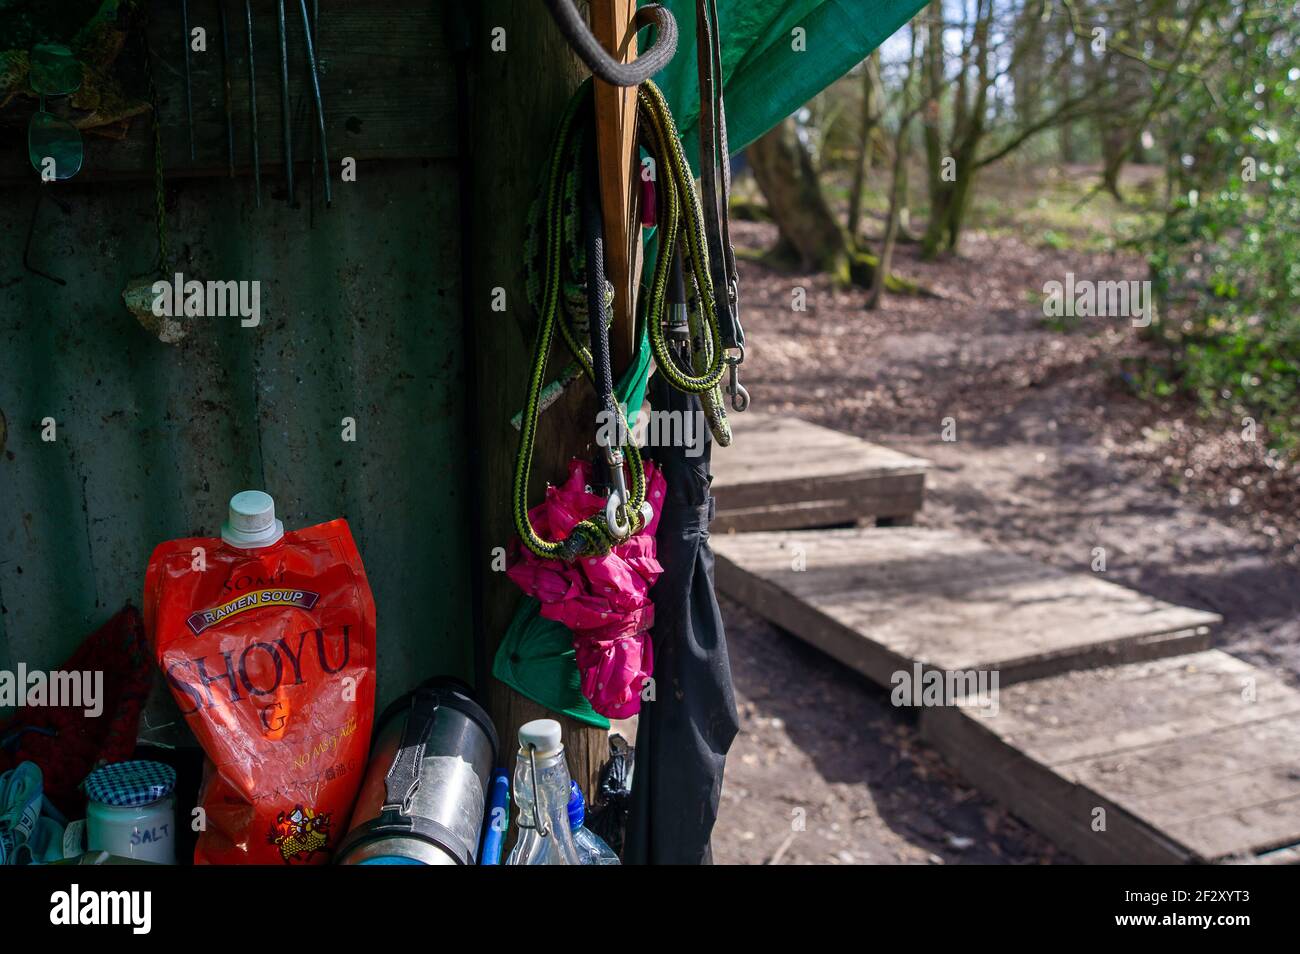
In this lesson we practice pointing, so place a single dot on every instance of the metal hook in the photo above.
(620, 525)
(739, 396)
(615, 516)
(541, 827)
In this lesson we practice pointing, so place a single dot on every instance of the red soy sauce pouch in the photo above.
(267, 641)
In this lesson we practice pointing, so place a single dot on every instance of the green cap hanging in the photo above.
(537, 660)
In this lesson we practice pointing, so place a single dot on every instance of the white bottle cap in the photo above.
(542, 733)
(251, 522)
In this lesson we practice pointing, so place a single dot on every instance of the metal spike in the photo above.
(320, 108)
(286, 115)
(189, 88)
(225, 80)
(252, 107)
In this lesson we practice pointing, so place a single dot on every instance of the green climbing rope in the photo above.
(555, 273)
(554, 240)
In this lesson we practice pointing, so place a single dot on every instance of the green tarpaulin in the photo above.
(776, 55)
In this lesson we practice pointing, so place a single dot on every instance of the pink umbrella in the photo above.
(603, 600)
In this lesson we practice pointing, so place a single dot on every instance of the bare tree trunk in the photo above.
(1107, 123)
(934, 78)
(1027, 68)
(877, 292)
(905, 233)
(871, 113)
(809, 235)
(1067, 150)
(898, 186)
(967, 137)
(1128, 86)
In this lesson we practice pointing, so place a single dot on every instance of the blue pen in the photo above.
(498, 818)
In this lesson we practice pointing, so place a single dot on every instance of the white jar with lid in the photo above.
(132, 811)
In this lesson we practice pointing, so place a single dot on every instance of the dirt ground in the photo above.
(1053, 457)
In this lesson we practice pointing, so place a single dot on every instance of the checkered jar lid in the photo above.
(130, 783)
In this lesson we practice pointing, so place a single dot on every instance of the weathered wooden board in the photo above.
(782, 473)
(880, 600)
(387, 82)
(1188, 759)
(616, 155)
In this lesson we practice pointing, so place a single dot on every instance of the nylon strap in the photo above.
(715, 173)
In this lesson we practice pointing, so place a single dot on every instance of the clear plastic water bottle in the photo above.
(592, 849)
(542, 786)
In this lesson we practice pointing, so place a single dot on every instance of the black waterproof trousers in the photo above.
(683, 734)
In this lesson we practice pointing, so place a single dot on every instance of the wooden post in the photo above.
(519, 95)
(611, 22)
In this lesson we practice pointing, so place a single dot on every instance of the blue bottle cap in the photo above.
(577, 806)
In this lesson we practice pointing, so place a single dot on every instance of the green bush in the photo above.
(1226, 263)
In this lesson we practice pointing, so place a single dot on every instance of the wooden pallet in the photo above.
(786, 474)
(882, 600)
(1190, 759)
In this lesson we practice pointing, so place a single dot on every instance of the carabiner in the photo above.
(620, 525)
(620, 528)
(739, 396)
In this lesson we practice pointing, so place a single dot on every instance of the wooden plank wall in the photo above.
(387, 83)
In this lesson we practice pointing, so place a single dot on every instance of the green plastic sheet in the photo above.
(767, 76)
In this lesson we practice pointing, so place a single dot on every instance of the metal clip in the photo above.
(543, 829)
(678, 322)
(620, 526)
(739, 396)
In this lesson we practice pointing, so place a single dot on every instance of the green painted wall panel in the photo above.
(361, 318)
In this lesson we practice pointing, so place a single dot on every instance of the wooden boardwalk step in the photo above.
(783, 473)
(883, 599)
(1188, 759)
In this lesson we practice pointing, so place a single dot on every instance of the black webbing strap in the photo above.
(715, 173)
(610, 460)
(403, 776)
(598, 321)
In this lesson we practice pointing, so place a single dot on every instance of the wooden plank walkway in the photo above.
(786, 474)
(1189, 759)
(881, 599)
(1113, 728)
